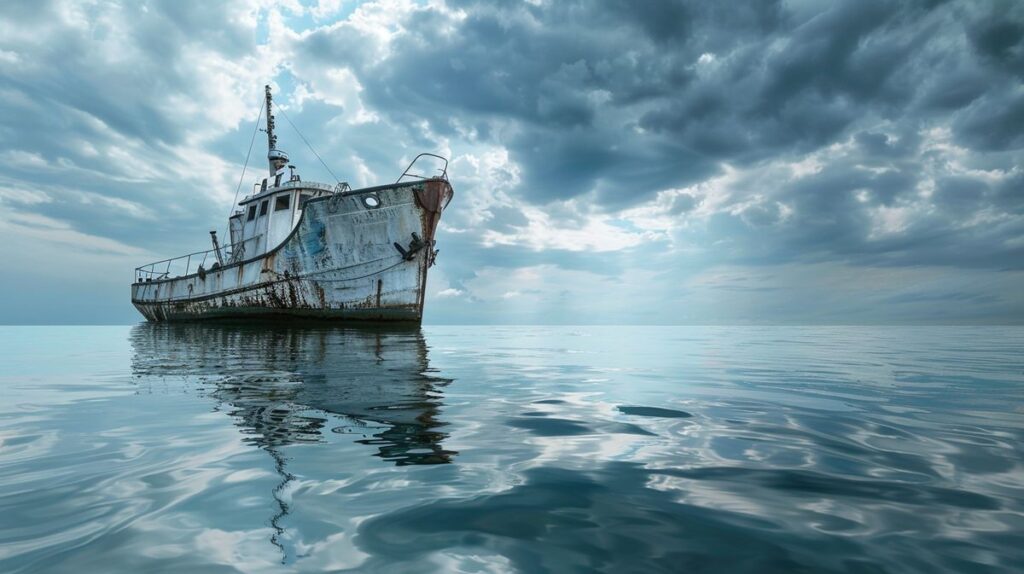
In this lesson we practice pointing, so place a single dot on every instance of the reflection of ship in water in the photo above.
(287, 385)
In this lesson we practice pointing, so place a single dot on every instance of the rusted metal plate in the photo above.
(339, 262)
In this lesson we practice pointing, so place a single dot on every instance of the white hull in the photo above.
(340, 262)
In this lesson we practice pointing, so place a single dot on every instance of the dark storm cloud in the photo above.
(998, 35)
(101, 98)
(124, 83)
(622, 101)
(839, 214)
(993, 123)
(577, 79)
(544, 81)
(1008, 195)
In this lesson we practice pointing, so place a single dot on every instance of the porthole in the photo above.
(371, 201)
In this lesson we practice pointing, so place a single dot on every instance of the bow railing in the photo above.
(443, 169)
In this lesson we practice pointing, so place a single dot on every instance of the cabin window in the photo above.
(263, 207)
(281, 203)
(303, 199)
(263, 187)
(277, 180)
(252, 213)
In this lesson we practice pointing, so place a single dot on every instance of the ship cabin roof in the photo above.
(286, 186)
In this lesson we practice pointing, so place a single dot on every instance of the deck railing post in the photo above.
(149, 271)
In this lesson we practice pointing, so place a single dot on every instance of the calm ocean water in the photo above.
(203, 448)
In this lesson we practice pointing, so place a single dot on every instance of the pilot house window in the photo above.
(252, 213)
(263, 208)
(303, 199)
(281, 203)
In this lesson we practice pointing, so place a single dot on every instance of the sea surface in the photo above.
(260, 448)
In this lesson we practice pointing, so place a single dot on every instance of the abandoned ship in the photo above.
(308, 250)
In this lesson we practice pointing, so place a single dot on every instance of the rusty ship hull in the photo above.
(359, 255)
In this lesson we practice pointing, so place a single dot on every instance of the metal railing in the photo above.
(193, 262)
(443, 170)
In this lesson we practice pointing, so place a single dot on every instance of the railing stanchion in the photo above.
(149, 271)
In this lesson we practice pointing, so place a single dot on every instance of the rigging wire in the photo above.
(246, 165)
(308, 144)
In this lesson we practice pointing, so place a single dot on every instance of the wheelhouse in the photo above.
(266, 217)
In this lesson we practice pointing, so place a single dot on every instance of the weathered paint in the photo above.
(339, 262)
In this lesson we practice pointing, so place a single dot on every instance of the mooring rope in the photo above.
(241, 178)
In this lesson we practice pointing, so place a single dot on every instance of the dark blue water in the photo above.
(201, 448)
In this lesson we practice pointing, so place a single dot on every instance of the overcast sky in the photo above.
(614, 162)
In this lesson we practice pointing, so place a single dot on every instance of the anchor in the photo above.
(415, 246)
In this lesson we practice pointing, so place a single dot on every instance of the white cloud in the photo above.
(46, 230)
(592, 232)
(15, 193)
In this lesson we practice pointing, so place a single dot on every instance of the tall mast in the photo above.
(275, 157)
(271, 138)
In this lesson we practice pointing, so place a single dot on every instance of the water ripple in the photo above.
(264, 448)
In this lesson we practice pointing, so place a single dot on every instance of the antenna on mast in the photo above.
(277, 158)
